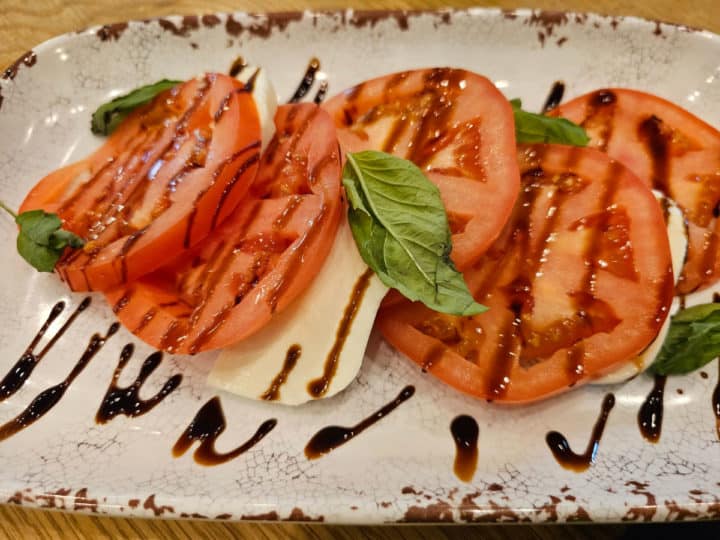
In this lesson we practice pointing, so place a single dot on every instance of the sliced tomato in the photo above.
(172, 171)
(259, 259)
(672, 151)
(457, 127)
(579, 281)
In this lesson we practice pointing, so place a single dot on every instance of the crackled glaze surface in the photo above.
(400, 469)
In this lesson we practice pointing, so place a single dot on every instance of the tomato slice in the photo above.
(579, 281)
(259, 259)
(672, 151)
(172, 171)
(457, 127)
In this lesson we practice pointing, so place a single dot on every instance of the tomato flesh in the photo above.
(170, 173)
(579, 281)
(261, 258)
(457, 127)
(672, 151)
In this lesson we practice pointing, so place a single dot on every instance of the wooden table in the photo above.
(24, 24)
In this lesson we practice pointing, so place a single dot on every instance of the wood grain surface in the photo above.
(25, 23)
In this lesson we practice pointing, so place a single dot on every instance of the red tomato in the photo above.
(259, 259)
(672, 151)
(453, 124)
(579, 281)
(168, 175)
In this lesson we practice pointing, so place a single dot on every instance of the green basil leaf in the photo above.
(107, 117)
(692, 341)
(42, 258)
(538, 128)
(38, 225)
(401, 229)
(40, 240)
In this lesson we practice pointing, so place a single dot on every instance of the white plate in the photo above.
(401, 468)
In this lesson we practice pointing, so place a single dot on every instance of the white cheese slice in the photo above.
(677, 234)
(251, 367)
(266, 100)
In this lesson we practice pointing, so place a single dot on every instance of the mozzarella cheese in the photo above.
(265, 98)
(312, 322)
(677, 234)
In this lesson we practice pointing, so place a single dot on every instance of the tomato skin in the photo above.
(579, 281)
(260, 259)
(672, 151)
(154, 188)
(457, 127)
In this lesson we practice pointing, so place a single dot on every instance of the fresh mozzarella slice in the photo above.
(677, 234)
(265, 99)
(307, 334)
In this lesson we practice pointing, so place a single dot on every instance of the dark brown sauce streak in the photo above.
(650, 414)
(206, 427)
(554, 97)
(237, 66)
(47, 399)
(23, 368)
(291, 358)
(580, 462)
(329, 438)
(465, 433)
(307, 81)
(321, 93)
(319, 387)
(716, 403)
(126, 400)
(658, 144)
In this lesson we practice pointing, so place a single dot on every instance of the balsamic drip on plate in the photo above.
(650, 414)
(319, 387)
(206, 427)
(465, 433)
(47, 399)
(307, 81)
(23, 368)
(126, 400)
(329, 438)
(291, 358)
(579, 462)
(237, 67)
(554, 97)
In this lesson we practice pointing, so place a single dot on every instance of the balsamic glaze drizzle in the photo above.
(206, 427)
(465, 433)
(23, 368)
(329, 438)
(291, 358)
(554, 97)
(321, 93)
(319, 387)
(307, 81)
(126, 400)
(580, 462)
(47, 399)
(650, 414)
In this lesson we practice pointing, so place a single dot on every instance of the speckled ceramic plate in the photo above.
(401, 469)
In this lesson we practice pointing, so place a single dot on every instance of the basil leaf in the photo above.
(107, 117)
(400, 227)
(538, 128)
(41, 241)
(692, 341)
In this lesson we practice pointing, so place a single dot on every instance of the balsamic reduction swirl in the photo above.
(650, 414)
(208, 424)
(25, 365)
(465, 433)
(126, 400)
(47, 399)
(328, 439)
(560, 446)
(307, 81)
